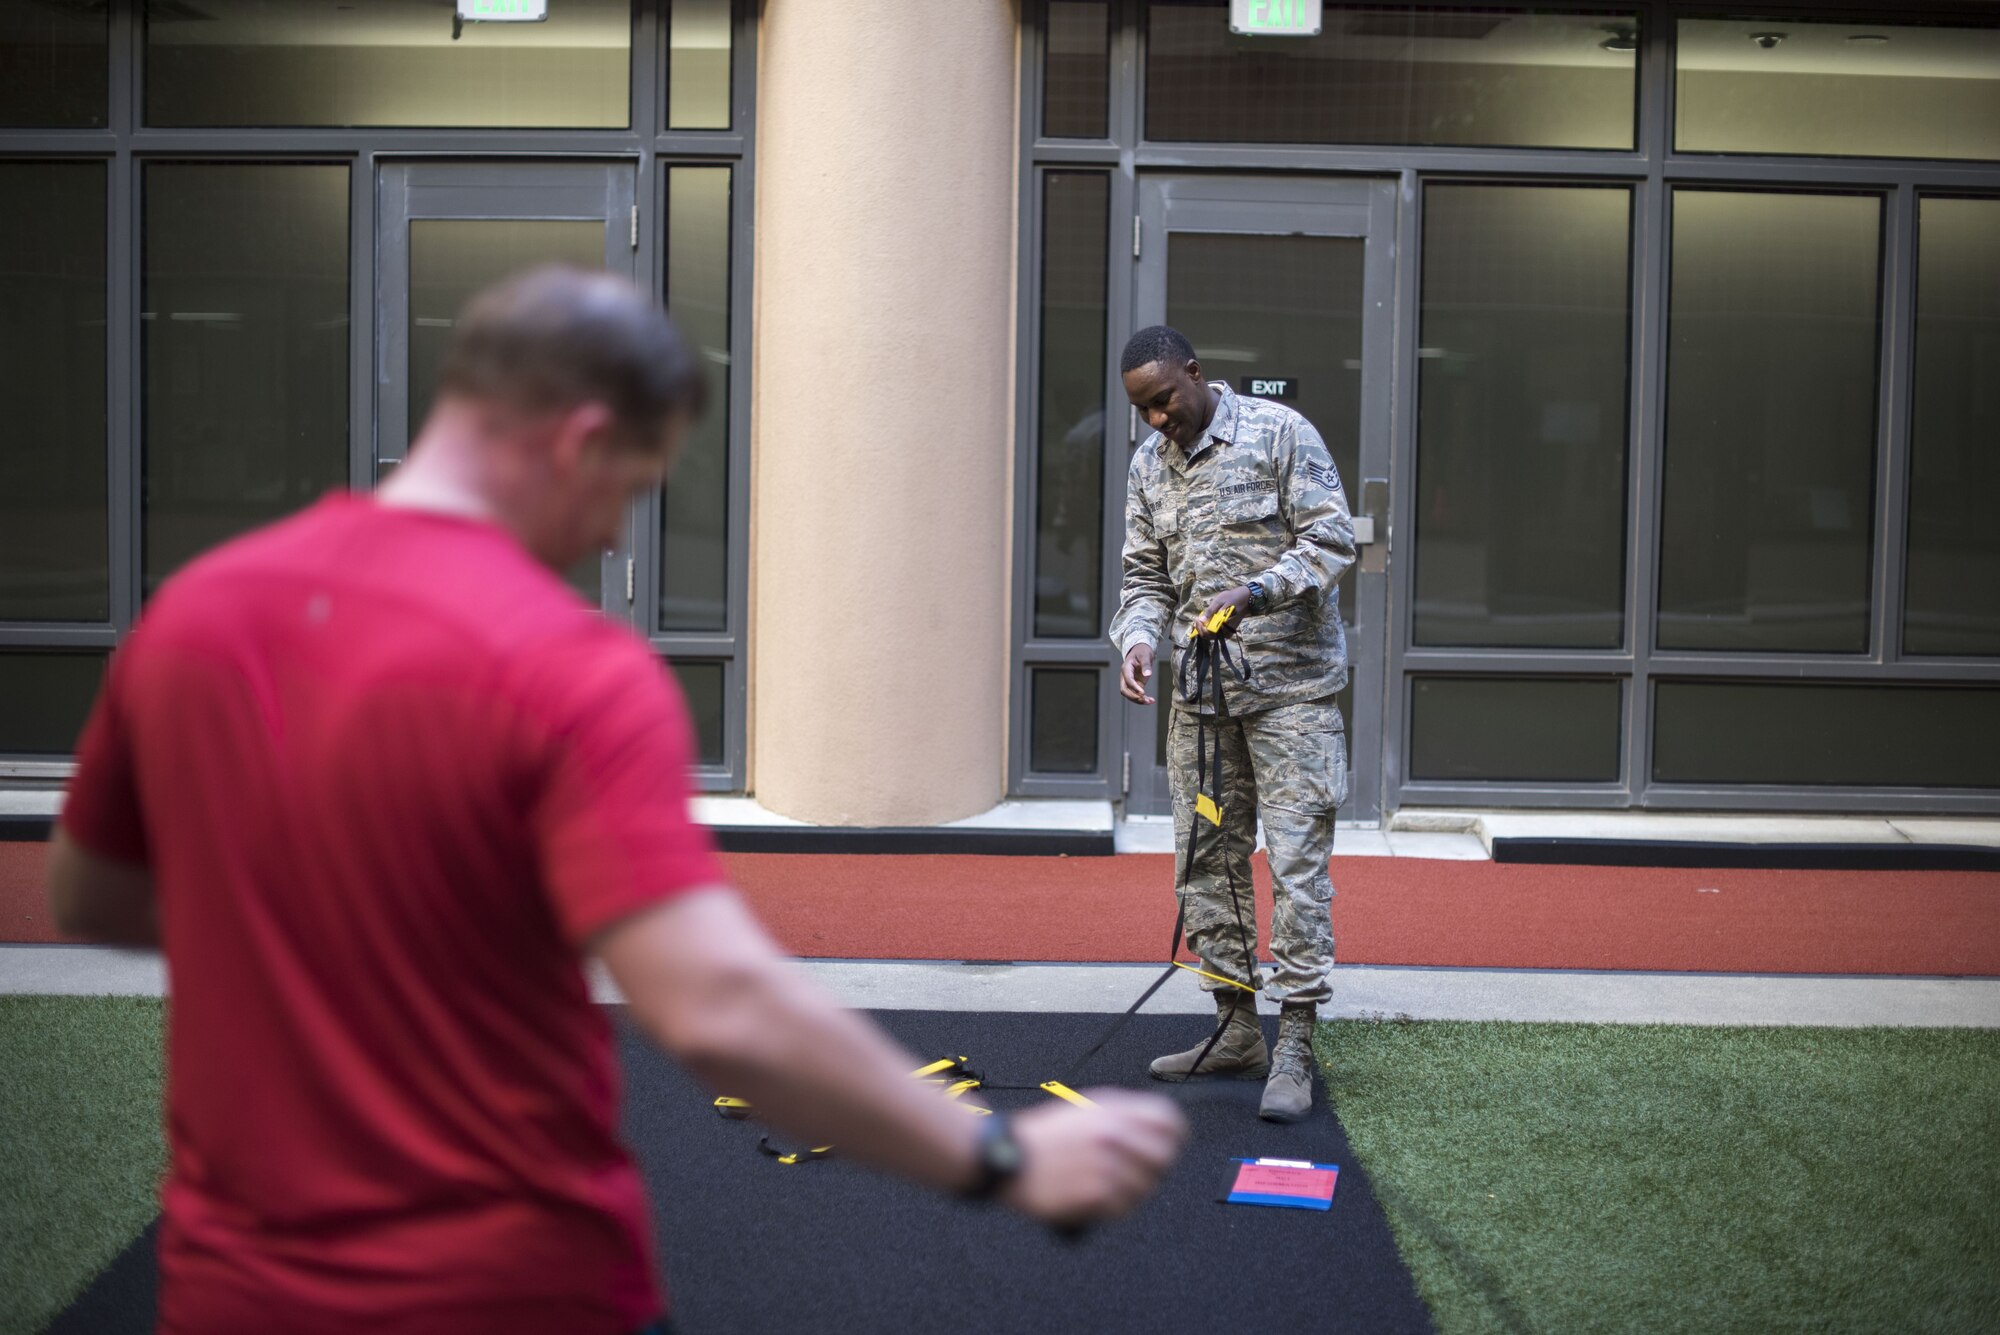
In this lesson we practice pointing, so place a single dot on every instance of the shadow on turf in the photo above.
(747, 1244)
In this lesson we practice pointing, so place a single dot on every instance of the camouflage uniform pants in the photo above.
(1289, 766)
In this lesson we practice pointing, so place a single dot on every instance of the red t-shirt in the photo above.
(391, 775)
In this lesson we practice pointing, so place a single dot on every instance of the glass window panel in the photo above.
(1794, 85)
(1522, 730)
(1076, 73)
(1278, 306)
(386, 62)
(45, 698)
(53, 64)
(1951, 600)
(1814, 733)
(1522, 420)
(54, 555)
(244, 317)
(694, 507)
(1394, 75)
(1768, 502)
(1069, 454)
(702, 685)
(453, 258)
(1062, 733)
(698, 65)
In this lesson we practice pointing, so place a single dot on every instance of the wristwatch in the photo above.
(999, 1158)
(1257, 599)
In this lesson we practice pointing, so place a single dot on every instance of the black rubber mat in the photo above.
(748, 1244)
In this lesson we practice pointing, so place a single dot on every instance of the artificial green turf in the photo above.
(80, 1144)
(1550, 1177)
(1538, 1177)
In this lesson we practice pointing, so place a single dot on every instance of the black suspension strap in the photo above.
(1197, 671)
(1204, 658)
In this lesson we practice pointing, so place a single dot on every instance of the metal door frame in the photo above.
(1359, 208)
(590, 190)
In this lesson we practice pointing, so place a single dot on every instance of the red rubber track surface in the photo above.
(1389, 911)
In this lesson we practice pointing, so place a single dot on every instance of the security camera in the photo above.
(1767, 40)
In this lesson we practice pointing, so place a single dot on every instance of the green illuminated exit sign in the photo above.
(1275, 18)
(503, 11)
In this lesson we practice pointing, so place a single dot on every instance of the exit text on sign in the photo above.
(1275, 18)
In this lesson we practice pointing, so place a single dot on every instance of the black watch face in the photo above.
(1003, 1156)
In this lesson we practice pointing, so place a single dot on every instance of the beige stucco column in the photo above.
(883, 390)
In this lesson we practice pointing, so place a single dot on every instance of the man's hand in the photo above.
(1135, 673)
(1239, 598)
(96, 898)
(1080, 1165)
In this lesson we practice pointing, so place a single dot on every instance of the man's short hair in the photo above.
(557, 336)
(1156, 343)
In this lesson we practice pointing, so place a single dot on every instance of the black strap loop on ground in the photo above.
(804, 1154)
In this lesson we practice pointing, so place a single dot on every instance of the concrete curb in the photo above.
(1364, 992)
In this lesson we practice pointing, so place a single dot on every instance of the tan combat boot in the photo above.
(1239, 1051)
(1288, 1094)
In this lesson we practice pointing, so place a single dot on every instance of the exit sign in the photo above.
(1281, 387)
(503, 11)
(1275, 18)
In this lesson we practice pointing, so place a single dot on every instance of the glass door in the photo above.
(1285, 289)
(447, 229)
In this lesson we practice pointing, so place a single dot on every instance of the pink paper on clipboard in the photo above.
(1294, 1183)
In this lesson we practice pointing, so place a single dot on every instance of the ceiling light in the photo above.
(1767, 40)
(1872, 38)
(1621, 39)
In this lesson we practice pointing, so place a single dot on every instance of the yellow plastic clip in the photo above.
(1068, 1095)
(1216, 976)
(797, 1155)
(1204, 806)
(1223, 616)
(940, 1065)
(962, 1088)
(734, 1109)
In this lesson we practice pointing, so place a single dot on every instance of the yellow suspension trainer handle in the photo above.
(1223, 616)
(938, 1072)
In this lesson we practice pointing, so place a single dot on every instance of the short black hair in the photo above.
(1156, 343)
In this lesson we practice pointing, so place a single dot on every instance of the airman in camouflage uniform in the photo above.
(1235, 501)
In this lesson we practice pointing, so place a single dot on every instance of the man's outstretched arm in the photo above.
(711, 987)
(99, 898)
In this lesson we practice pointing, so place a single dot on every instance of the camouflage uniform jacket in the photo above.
(1256, 498)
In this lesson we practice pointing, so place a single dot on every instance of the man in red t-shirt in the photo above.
(376, 782)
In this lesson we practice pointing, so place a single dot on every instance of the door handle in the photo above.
(1371, 525)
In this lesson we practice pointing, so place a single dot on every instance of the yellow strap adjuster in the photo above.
(1204, 806)
(963, 1088)
(1068, 1095)
(939, 1066)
